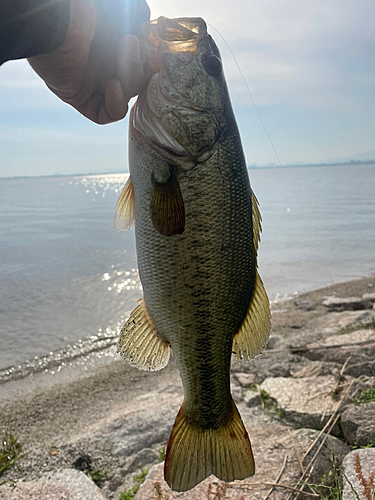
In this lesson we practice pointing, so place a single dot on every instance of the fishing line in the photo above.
(274, 150)
(250, 94)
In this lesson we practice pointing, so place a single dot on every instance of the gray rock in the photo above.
(69, 484)
(236, 391)
(367, 467)
(115, 480)
(352, 338)
(245, 379)
(348, 304)
(369, 382)
(304, 304)
(279, 370)
(273, 341)
(252, 398)
(144, 457)
(314, 369)
(369, 296)
(307, 402)
(335, 322)
(358, 424)
(332, 450)
(261, 365)
(359, 345)
(132, 426)
(361, 368)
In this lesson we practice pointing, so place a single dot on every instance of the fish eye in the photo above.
(212, 65)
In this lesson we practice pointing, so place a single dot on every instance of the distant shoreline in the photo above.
(353, 163)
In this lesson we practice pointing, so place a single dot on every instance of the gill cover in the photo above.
(181, 114)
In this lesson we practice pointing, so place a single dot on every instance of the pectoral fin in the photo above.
(140, 344)
(253, 334)
(167, 208)
(125, 210)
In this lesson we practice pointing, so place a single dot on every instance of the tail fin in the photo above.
(194, 453)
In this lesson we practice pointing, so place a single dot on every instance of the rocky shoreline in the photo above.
(308, 403)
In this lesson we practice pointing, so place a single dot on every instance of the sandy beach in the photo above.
(50, 414)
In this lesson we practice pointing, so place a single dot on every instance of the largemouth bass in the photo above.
(197, 228)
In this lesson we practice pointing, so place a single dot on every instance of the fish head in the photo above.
(182, 111)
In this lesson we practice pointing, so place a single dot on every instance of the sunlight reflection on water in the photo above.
(65, 274)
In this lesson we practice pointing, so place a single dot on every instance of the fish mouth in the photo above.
(179, 36)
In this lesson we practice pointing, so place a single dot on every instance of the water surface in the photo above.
(66, 275)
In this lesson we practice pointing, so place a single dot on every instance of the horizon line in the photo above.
(249, 167)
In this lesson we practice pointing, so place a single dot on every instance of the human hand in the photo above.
(98, 67)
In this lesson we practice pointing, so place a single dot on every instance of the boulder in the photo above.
(358, 424)
(359, 467)
(235, 388)
(332, 450)
(359, 345)
(348, 304)
(306, 402)
(336, 322)
(279, 370)
(304, 304)
(252, 398)
(369, 296)
(273, 341)
(245, 379)
(144, 457)
(360, 336)
(268, 364)
(69, 484)
(361, 368)
(132, 426)
(314, 369)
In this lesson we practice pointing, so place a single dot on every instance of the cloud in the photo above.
(293, 52)
(309, 65)
(63, 136)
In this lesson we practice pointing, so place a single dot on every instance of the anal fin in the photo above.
(253, 334)
(125, 208)
(194, 453)
(140, 344)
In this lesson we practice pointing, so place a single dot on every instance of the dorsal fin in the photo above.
(253, 334)
(140, 344)
(125, 209)
(257, 220)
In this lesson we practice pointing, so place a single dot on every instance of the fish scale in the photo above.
(201, 288)
(197, 229)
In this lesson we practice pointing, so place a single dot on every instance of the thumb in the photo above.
(116, 103)
(130, 66)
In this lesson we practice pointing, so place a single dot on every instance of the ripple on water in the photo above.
(103, 343)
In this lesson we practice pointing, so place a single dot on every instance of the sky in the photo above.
(309, 65)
